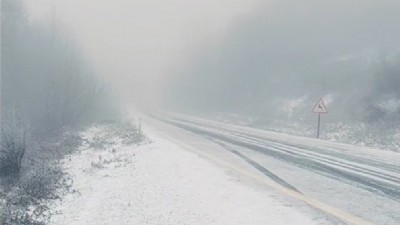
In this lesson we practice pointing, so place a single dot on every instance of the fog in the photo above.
(97, 93)
(139, 45)
(271, 58)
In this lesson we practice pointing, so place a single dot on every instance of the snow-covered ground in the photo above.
(382, 135)
(160, 183)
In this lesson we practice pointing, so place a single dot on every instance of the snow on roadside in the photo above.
(159, 183)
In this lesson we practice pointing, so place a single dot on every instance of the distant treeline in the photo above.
(354, 92)
(45, 79)
(288, 57)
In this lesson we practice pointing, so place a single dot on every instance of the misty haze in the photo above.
(202, 112)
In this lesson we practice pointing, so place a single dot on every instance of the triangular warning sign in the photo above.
(320, 107)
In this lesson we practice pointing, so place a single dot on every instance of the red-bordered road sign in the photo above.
(320, 107)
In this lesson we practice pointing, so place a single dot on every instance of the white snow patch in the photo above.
(328, 99)
(291, 105)
(390, 106)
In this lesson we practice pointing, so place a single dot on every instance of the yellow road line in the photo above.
(338, 213)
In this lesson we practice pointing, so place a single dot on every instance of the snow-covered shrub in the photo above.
(17, 209)
(111, 140)
(131, 134)
(45, 182)
(108, 135)
(25, 202)
(13, 146)
(17, 215)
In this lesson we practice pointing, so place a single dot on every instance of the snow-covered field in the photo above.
(160, 183)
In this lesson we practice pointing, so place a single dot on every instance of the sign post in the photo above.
(320, 108)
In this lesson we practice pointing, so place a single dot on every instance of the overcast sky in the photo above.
(139, 43)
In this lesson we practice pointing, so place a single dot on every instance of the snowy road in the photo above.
(164, 183)
(364, 183)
